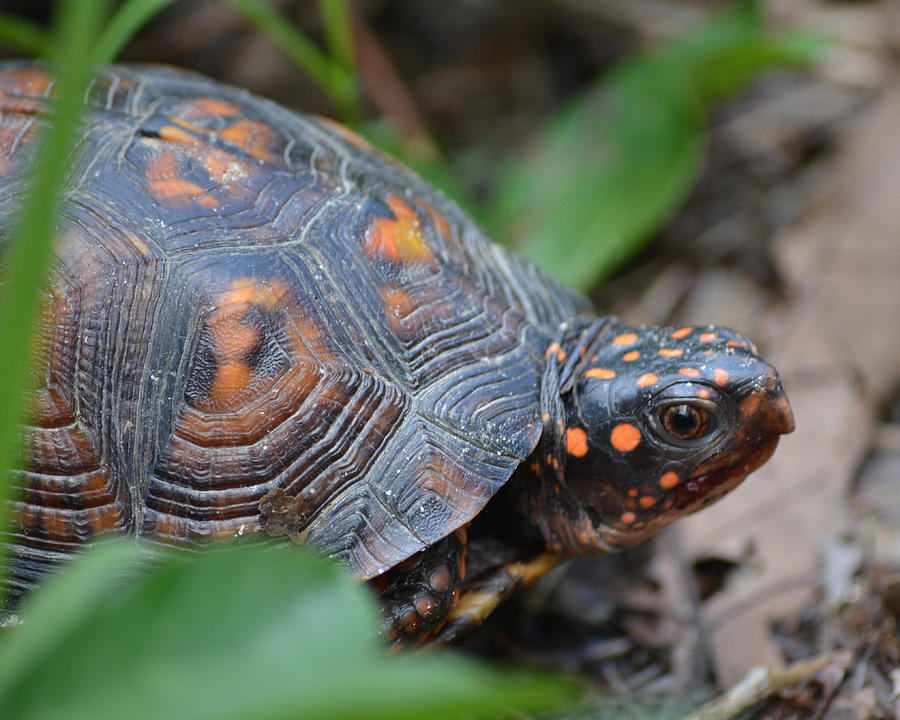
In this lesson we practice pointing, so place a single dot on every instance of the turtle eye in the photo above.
(685, 422)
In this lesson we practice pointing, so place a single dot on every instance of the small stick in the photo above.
(761, 683)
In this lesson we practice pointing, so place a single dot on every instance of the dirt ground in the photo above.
(792, 235)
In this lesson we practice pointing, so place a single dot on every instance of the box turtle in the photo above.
(258, 325)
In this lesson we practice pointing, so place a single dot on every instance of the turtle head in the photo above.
(658, 423)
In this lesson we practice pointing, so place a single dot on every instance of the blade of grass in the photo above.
(75, 30)
(23, 35)
(338, 32)
(129, 18)
(336, 81)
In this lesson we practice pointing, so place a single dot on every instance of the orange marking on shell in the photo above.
(347, 135)
(166, 182)
(625, 339)
(708, 336)
(720, 376)
(630, 504)
(576, 442)
(628, 518)
(231, 378)
(704, 393)
(105, 519)
(647, 379)
(690, 372)
(600, 373)
(253, 137)
(252, 290)
(400, 240)
(25, 81)
(633, 493)
(735, 343)
(682, 332)
(185, 132)
(668, 480)
(209, 107)
(647, 501)
(398, 302)
(670, 352)
(631, 356)
(625, 437)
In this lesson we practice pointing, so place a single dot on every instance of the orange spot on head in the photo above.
(704, 393)
(670, 352)
(625, 437)
(628, 518)
(600, 373)
(625, 339)
(682, 332)
(647, 379)
(735, 343)
(668, 480)
(576, 442)
(399, 240)
(647, 501)
(720, 376)
(690, 372)
(708, 336)
(631, 356)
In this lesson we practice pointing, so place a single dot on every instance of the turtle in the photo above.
(258, 325)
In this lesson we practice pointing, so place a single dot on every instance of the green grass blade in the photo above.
(23, 35)
(335, 80)
(127, 21)
(338, 32)
(28, 245)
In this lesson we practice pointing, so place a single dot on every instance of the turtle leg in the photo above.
(418, 595)
(481, 597)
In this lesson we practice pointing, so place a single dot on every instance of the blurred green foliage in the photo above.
(249, 633)
(26, 249)
(618, 163)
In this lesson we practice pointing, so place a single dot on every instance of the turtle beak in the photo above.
(768, 404)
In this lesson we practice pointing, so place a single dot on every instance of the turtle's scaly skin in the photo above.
(258, 325)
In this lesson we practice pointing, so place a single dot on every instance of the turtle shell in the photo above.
(247, 299)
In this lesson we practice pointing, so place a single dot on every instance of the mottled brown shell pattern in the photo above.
(247, 299)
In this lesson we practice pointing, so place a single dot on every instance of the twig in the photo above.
(761, 683)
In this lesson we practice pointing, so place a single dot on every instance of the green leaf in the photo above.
(23, 35)
(253, 632)
(128, 20)
(26, 249)
(334, 78)
(614, 166)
